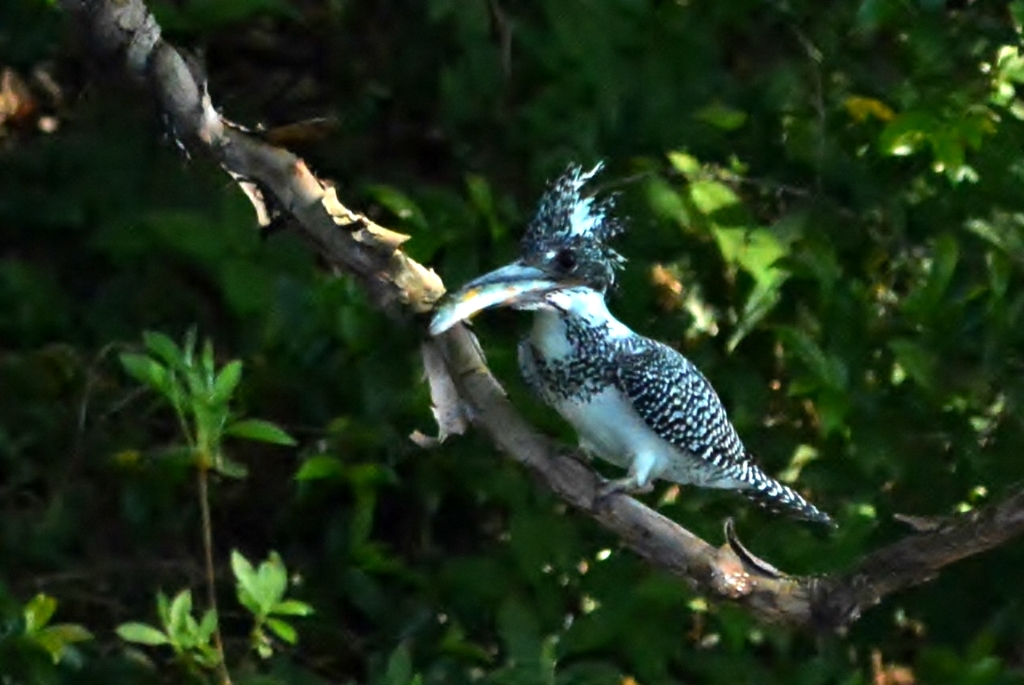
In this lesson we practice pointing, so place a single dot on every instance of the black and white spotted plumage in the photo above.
(679, 404)
(633, 401)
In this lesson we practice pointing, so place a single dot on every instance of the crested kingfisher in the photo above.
(633, 401)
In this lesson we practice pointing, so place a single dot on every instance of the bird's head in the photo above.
(564, 249)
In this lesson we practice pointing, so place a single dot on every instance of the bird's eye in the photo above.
(566, 260)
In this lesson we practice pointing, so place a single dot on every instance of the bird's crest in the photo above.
(565, 218)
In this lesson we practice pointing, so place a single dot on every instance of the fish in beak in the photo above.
(516, 285)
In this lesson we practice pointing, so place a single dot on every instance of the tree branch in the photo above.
(279, 183)
(840, 598)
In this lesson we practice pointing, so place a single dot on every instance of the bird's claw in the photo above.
(625, 486)
(581, 456)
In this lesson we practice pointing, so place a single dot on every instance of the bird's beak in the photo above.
(515, 285)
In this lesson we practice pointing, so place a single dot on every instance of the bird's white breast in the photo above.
(611, 429)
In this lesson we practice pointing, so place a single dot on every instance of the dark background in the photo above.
(826, 214)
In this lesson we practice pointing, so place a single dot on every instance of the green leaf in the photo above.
(399, 670)
(188, 347)
(194, 381)
(181, 610)
(57, 638)
(711, 196)
(482, 198)
(400, 204)
(457, 645)
(142, 633)
(258, 429)
(147, 371)
(722, 116)
(321, 466)
(1004, 231)
(248, 600)
(915, 360)
(38, 612)
(827, 370)
(928, 300)
(759, 304)
(907, 133)
(948, 150)
(283, 630)
(67, 633)
(271, 582)
(207, 626)
(227, 381)
(1017, 13)
(163, 347)
(755, 250)
(833, 406)
(209, 364)
(226, 466)
(999, 273)
(241, 567)
(480, 193)
(206, 656)
(245, 575)
(189, 636)
(362, 518)
(292, 607)
(665, 201)
(684, 163)
(261, 589)
(946, 254)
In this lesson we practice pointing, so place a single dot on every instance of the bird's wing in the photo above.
(675, 400)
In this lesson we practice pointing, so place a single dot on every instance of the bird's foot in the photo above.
(580, 455)
(625, 486)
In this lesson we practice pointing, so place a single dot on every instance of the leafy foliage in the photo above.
(191, 640)
(200, 396)
(825, 208)
(260, 592)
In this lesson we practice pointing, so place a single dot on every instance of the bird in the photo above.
(633, 401)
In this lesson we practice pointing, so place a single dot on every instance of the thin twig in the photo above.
(211, 578)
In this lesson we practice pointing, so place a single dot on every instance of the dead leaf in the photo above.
(17, 104)
(306, 132)
(922, 524)
(451, 413)
(889, 674)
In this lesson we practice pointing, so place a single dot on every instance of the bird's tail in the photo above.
(774, 496)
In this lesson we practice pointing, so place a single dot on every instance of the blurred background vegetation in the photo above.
(827, 216)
